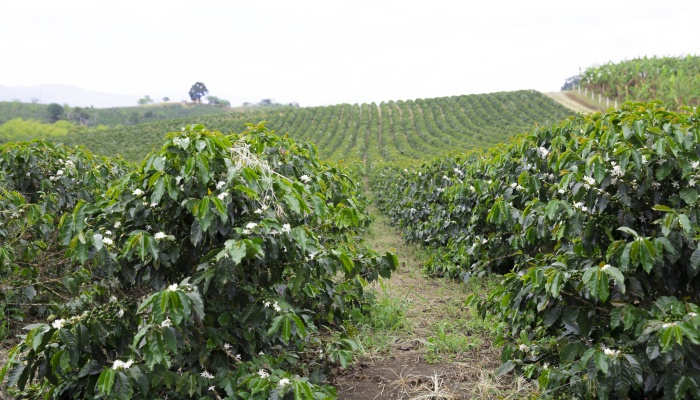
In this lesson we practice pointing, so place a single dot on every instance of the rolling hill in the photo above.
(397, 131)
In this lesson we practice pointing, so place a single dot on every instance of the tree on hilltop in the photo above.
(55, 112)
(197, 91)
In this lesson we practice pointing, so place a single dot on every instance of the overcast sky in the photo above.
(326, 52)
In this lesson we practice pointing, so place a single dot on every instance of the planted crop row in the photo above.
(208, 271)
(594, 224)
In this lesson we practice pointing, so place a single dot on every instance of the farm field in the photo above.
(399, 131)
(493, 246)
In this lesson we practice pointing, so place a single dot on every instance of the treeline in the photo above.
(89, 116)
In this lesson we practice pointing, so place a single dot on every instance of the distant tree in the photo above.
(265, 102)
(55, 111)
(79, 116)
(166, 99)
(145, 100)
(34, 100)
(197, 91)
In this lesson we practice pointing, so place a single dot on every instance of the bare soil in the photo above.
(409, 369)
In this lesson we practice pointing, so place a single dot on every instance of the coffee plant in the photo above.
(594, 223)
(39, 182)
(205, 272)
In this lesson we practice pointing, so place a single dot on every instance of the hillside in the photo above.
(108, 116)
(392, 131)
(673, 80)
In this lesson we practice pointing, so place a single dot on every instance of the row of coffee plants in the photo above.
(209, 271)
(672, 80)
(594, 223)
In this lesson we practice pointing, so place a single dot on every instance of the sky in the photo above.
(328, 52)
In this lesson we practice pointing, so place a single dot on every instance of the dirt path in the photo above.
(440, 350)
(572, 102)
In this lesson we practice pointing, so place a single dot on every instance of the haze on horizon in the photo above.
(325, 52)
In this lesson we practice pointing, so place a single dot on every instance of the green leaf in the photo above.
(348, 264)
(685, 224)
(601, 362)
(695, 262)
(235, 250)
(106, 381)
(617, 276)
(662, 208)
(689, 195)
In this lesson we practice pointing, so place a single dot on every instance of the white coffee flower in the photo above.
(120, 313)
(695, 164)
(691, 182)
(277, 307)
(112, 299)
(211, 388)
(305, 178)
(263, 374)
(227, 346)
(58, 324)
(523, 347)
(542, 151)
(589, 180)
(107, 241)
(160, 235)
(267, 304)
(561, 191)
(617, 171)
(611, 352)
(283, 382)
(172, 287)
(668, 325)
(222, 195)
(119, 364)
(692, 314)
(166, 323)
(259, 211)
(238, 357)
(606, 267)
(206, 375)
(59, 172)
(137, 192)
(220, 184)
(286, 228)
(251, 225)
(117, 224)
